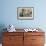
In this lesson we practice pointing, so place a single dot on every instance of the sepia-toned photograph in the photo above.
(25, 13)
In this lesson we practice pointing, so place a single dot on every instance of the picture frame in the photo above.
(25, 13)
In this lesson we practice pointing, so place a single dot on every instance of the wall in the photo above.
(9, 13)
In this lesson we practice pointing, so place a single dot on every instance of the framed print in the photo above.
(25, 13)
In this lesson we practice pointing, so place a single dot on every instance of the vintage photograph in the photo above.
(25, 12)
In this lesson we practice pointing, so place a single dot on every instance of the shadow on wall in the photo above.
(2, 26)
